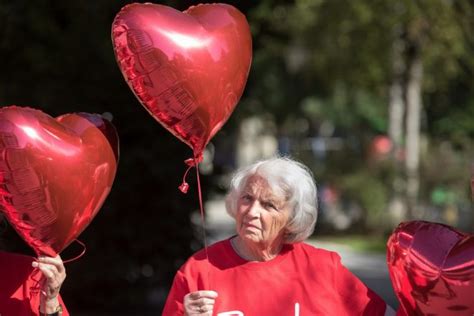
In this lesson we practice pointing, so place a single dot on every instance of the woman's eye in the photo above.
(246, 197)
(269, 205)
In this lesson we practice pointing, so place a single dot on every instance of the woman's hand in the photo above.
(199, 303)
(54, 274)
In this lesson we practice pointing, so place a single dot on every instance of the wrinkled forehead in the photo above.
(259, 185)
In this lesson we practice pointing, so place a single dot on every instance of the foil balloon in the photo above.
(432, 269)
(54, 173)
(188, 69)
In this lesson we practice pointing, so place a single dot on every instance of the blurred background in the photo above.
(376, 97)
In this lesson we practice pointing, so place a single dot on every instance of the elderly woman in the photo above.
(30, 286)
(266, 269)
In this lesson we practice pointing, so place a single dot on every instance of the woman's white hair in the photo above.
(289, 177)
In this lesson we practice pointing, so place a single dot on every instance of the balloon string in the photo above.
(203, 222)
(79, 255)
(184, 187)
(191, 162)
(194, 162)
(36, 286)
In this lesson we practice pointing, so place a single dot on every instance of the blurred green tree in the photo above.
(367, 66)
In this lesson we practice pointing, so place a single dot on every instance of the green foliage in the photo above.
(459, 126)
(370, 192)
(340, 55)
(363, 107)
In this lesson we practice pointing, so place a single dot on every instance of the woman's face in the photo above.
(261, 214)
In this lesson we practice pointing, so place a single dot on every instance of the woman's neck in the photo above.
(256, 252)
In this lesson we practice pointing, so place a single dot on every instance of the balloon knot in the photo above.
(192, 162)
(184, 187)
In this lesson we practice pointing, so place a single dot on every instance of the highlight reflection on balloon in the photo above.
(54, 173)
(189, 68)
(432, 269)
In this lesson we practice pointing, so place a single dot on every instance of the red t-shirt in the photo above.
(18, 296)
(302, 280)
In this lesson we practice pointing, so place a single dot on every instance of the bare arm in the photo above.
(54, 275)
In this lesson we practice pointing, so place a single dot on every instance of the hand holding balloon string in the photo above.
(54, 274)
(199, 303)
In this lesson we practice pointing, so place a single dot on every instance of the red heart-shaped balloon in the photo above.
(432, 269)
(55, 173)
(189, 68)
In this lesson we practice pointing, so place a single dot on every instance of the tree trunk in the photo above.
(414, 103)
(396, 110)
(396, 103)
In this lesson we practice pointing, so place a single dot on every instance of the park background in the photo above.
(376, 97)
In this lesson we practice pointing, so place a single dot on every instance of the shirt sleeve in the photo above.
(174, 302)
(356, 297)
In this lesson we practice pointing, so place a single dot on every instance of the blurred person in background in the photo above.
(30, 286)
(267, 269)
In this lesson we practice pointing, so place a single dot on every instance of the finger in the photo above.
(206, 308)
(54, 264)
(48, 273)
(197, 310)
(50, 269)
(202, 294)
(202, 309)
(56, 261)
(52, 279)
(202, 301)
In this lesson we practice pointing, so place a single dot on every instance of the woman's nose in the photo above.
(254, 209)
